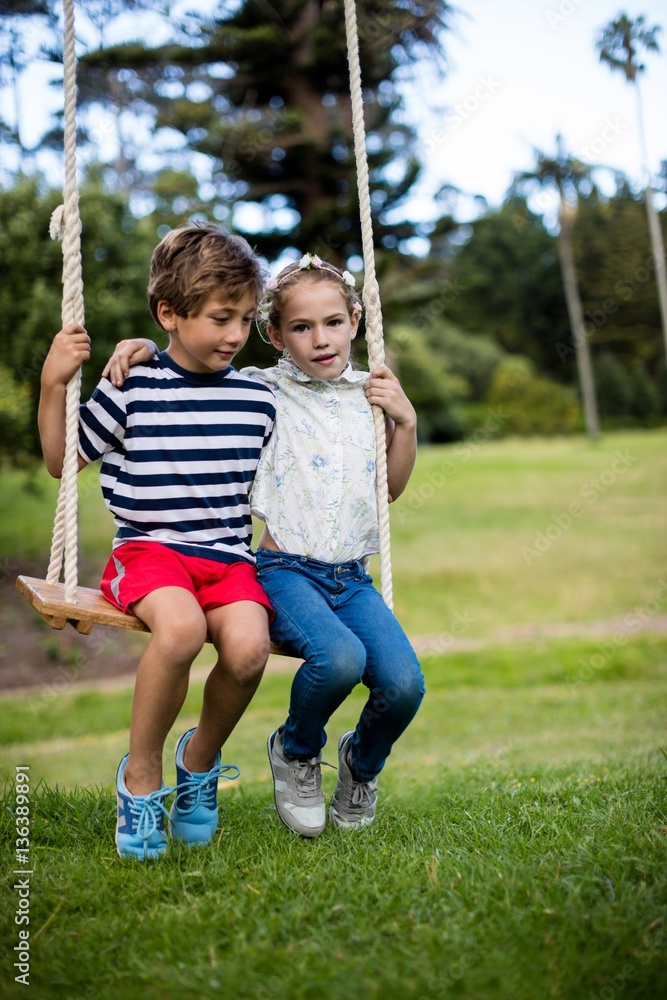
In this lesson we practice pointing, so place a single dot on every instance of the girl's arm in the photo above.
(69, 350)
(134, 351)
(384, 389)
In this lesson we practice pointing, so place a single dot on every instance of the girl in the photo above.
(315, 492)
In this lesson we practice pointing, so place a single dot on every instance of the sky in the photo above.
(519, 73)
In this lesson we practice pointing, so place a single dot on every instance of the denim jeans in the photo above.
(331, 616)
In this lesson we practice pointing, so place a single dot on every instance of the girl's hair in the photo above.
(194, 262)
(312, 270)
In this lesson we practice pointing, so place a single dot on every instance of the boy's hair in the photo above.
(315, 271)
(194, 262)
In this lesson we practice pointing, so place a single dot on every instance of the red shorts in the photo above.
(136, 569)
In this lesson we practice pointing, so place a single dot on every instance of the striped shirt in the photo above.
(179, 454)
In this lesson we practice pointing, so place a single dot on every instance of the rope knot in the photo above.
(57, 224)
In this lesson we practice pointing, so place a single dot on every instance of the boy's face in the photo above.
(209, 341)
(316, 329)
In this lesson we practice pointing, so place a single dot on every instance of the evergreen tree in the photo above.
(614, 389)
(262, 92)
(645, 400)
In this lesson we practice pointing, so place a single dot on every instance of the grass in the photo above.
(464, 530)
(520, 850)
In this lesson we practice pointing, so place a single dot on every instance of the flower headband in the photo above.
(309, 261)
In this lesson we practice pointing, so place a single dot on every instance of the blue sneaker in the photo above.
(140, 820)
(194, 814)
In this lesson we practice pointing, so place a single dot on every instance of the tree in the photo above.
(615, 272)
(619, 45)
(567, 175)
(15, 53)
(507, 284)
(116, 250)
(260, 93)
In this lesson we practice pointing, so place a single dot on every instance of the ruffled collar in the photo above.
(349, 375)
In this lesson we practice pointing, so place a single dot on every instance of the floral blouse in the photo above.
(315, 482)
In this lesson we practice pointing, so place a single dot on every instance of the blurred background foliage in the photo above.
(242, 116)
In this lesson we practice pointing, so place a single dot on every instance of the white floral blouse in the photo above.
(315, 482)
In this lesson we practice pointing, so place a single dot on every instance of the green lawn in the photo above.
(465, 533)
(520, 849)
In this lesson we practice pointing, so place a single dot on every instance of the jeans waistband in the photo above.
(316, 565)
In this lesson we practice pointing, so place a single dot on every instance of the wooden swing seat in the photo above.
(91, 608)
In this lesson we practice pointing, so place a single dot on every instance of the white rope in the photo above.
(371, 291)
(66, 225)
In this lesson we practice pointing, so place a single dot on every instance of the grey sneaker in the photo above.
(354, 802)
(297, 789)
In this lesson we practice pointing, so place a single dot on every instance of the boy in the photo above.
(180, 442)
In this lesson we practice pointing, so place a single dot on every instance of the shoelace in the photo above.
(146, 809)
(309, 777)
(203, 789)
(361, 797)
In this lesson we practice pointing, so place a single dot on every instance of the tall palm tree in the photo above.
(619, 45)
(567, 175)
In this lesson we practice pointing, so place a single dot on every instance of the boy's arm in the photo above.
(384, 389)
(69, 350)
(133, 351)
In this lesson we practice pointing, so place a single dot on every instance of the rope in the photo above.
(371, 291)
(66, 225)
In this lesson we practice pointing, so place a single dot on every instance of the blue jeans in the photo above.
(331, 616)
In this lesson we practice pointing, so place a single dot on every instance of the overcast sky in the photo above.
(522, 71)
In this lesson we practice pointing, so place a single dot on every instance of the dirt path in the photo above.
(32, 655)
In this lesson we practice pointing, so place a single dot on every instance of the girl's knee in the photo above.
(403, 696)
(344, 664)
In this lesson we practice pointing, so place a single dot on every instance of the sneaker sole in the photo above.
(307, 836)
(139, 853)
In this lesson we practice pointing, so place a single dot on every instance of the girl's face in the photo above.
(316, 329)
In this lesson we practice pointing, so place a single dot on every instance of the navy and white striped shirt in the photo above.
(179, 454)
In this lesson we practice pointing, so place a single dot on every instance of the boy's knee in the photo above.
(249, 660)
(182, 636)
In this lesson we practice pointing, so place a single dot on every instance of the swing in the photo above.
(83, 607)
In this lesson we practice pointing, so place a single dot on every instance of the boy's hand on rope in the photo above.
(69, 350)
(133, 351)
(384, 389)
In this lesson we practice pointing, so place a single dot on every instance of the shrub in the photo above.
(532, 404)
